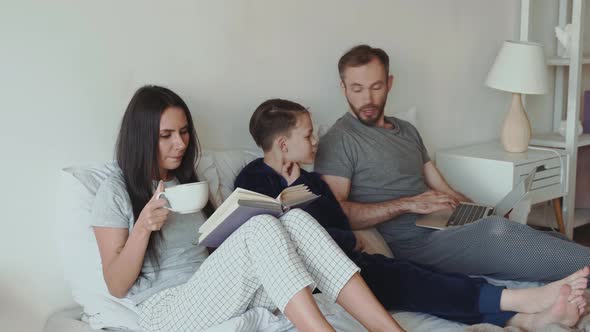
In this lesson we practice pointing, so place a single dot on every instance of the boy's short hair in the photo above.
(274, 117)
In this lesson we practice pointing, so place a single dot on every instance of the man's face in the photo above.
(366, 88)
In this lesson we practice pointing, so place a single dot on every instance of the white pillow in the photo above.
(220, 168)
(409, 115)
(79, 250)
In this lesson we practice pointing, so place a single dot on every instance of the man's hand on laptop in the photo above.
(431, 201)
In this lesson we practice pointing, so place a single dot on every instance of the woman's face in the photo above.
(173, 140)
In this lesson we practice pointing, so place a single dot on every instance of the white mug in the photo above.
(186, 198)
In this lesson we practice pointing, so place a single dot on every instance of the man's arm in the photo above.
(435, 181)
(364, 215)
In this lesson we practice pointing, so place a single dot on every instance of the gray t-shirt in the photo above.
(382, 164)
(179, 257)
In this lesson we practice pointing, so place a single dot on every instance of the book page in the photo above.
(296, 195)
(230, 204)
(271, 206)
(254, 196)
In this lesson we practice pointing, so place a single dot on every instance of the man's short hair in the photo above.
(274, 117)
(361, 55)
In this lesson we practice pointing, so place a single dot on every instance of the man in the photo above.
(380, 172)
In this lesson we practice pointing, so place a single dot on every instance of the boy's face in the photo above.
(301, 144)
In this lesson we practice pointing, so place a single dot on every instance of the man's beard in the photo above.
(371, 122)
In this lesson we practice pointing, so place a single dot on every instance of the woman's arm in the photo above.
(122, 253)
(122, 256)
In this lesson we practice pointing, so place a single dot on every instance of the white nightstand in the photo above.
(486, 173)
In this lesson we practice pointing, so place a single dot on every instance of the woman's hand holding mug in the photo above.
(154, 214)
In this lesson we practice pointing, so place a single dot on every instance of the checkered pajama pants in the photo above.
(262, 264)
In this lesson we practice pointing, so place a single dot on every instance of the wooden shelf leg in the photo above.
(556, 202)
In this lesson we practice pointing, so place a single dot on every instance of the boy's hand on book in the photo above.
(290, 171)
(154, 215)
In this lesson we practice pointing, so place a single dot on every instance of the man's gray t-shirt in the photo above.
(382, 164)
(179, 258)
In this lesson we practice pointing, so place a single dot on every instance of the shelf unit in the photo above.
(555, 140)
(571, 142)
(561, 61)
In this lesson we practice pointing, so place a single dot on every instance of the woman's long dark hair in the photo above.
(137, 151)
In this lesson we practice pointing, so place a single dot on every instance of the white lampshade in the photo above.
(519, 67)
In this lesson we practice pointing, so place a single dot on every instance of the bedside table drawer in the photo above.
(544, 178)
(553, 164)
(547, 181)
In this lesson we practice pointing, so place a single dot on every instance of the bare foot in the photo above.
(562, 311)
(539, 299)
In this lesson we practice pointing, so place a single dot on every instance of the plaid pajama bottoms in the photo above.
(262, 264)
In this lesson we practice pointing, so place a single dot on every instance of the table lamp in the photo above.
(519, 68)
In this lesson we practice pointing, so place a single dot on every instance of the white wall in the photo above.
(68, 68)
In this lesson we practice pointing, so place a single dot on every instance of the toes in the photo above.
(579, 301)
(578, 283)
(576, 293)
(584, 272)
(582, 308)
(581, 283)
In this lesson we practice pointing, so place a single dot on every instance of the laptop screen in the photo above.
(515, 195)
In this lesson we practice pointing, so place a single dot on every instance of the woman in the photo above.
(148, 255)
(284, 130)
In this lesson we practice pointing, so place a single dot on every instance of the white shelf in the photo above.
(581, 217)
(567, 87)
(555, 140)
(561, 61)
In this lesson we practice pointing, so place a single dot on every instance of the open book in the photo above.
(243, 204)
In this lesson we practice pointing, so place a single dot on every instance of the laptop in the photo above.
(466, 213)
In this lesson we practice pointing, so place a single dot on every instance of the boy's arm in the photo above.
(364, 215)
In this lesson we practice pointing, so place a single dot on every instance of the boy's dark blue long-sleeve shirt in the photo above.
(261, 178)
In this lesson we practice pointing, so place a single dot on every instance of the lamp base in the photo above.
(516, 131)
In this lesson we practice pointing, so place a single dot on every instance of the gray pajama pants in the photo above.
(494, 247)
(262, 264)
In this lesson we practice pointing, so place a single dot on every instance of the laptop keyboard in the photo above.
(466, 213)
